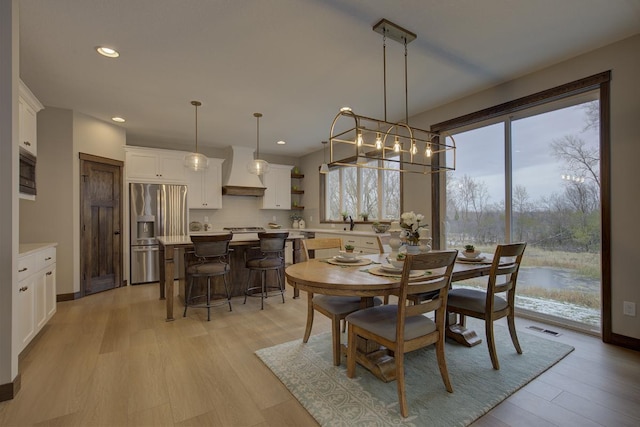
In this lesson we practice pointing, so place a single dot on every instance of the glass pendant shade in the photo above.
(196, 161)
(258, 166)
(324, 168)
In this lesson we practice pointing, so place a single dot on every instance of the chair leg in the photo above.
(227, 290)
(351, 352)
(307, 330)
(280, 272)
(512, 331)
(263, 283)
(491, 343)
(187, 297)
(208, 298)
(335, 331)
(442, 364)
(402, 398)
(246, 289)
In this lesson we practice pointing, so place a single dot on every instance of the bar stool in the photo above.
(211, 252)
(272, 248)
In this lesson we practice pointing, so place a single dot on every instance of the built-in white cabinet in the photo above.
(155, 165)
(35, 293)
(28, 107)
(361, 243)
(278, 187)
(205, 187)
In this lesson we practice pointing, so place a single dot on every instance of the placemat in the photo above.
(378, 271)
(359, 263)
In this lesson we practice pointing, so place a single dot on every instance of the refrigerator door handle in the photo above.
(145, 249)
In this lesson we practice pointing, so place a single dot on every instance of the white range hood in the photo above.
(236, 179)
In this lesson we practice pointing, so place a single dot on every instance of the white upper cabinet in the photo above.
(278, 183)
(155, 165)
(205, 187)
(28, 107)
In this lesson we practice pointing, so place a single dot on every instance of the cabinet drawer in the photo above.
(46, 258)
(27, 265)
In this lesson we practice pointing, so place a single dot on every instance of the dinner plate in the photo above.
(340, 258)
(390, 268)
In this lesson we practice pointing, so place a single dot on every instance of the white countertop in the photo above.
(25, 249)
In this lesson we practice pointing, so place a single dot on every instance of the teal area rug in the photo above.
(335, 400)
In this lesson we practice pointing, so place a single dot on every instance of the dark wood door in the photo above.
(100, 222)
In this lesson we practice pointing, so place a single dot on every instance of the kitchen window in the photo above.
(356, 191)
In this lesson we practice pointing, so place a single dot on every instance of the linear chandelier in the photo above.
(411, 149)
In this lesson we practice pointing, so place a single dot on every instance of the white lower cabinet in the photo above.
(361, 244)
(35, 294)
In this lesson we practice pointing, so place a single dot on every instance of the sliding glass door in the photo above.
(534, 176)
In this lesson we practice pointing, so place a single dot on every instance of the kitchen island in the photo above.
(243, 246)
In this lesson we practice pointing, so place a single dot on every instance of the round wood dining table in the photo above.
(318, 276)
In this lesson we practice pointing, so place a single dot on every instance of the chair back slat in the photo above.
(439, 262)
(319, 244)
(210, 246)
(503, 275)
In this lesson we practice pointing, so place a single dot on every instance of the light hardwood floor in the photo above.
(111, 359)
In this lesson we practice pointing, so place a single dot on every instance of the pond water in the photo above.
(556, 278)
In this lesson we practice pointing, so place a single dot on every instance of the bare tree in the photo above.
(582, 160)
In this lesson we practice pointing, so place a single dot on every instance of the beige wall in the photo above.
(624, 61)
(62, 135)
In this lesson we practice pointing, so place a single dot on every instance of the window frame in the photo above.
(380, 181)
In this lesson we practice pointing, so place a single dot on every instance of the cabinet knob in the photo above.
(27, 143)
(22, 270)
(47, 258)
(117, 232)
(49, 273)
(24, 288)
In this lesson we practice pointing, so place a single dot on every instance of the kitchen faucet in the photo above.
(350, 223)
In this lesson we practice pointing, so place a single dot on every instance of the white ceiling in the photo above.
(295, 61)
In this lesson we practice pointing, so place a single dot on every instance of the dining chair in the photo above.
(272, 259)
(334, 307)
(211, 252)
(497, 301)
(403, 327)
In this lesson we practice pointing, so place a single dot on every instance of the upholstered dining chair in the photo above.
(497, 301)
(272, 259)
(211, 252)
(334, 307)
(403, 327)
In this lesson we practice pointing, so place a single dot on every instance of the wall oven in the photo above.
(27, 173)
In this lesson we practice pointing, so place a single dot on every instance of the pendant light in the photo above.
(324, 169)
(196, 161)
(258, 166)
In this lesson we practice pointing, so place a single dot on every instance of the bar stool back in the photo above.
(272, 248)
(211, 252)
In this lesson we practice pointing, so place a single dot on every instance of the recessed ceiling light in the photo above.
(107, 51)
(280, 142)
(118, 119)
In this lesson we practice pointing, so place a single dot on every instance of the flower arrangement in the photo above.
(410, 223)
(295, 216)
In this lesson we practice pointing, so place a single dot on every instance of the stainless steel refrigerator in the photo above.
(156, 210)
